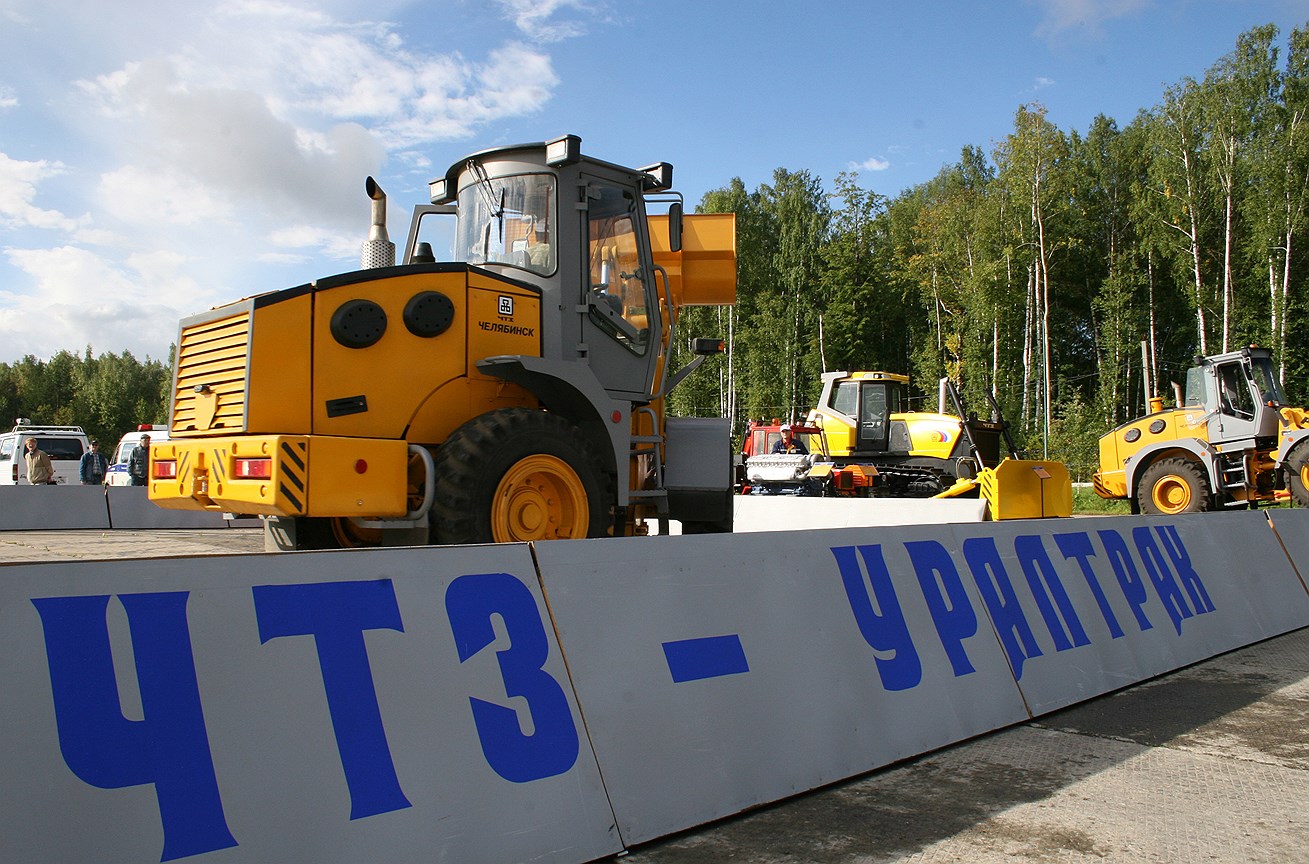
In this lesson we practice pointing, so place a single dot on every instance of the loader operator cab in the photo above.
(1239, 392)
(574, 228)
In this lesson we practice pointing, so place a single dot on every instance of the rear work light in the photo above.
(165, 469)
(253, 469)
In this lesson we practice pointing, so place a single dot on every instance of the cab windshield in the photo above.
(508, 220)
(1265, 378)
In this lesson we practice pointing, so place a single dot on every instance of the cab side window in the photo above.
(617, 292)
(1234, 392)
(846, 398)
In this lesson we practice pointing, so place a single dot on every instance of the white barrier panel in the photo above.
(394, 705)
(721, 672)
(131, 508)
(791, 513)
(63, 508)
(1292, 528)
(1087, 606)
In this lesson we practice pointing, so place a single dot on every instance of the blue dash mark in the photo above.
(710, 657)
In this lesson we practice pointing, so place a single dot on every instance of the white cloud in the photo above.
(142, 196)
(218, 149)
(872, 163)
(1061, 15)
(118, 311)
(18, 182)
(540, 19)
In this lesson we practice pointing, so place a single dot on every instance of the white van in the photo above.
(118, 475)
(63, 444)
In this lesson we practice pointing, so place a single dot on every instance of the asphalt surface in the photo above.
(1207, 764)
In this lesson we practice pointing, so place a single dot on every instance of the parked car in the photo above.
(63, 444)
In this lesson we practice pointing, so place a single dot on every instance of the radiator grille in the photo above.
(212, 362)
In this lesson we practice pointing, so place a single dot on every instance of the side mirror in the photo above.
(707, 347)
(675, 226)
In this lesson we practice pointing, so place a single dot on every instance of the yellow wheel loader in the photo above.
(1230, 442)
(512, 392)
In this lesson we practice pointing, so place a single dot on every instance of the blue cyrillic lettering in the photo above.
(879, 616)
(947, 601)
(336, 614)
(1077, 547)
(1172, 543)
(169, 746)
(1044, 581)
(553, 746)
(1129, 580)
(1156, 567)
(1001, 601)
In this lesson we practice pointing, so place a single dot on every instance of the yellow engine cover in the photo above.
(1121, 444)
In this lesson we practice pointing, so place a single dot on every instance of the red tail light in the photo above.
(165, 469)
(253, 469)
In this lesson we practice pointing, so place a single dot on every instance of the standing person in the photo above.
(138, 462)
(39, 470)
(93, 467)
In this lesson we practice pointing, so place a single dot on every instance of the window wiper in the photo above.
(489, 198)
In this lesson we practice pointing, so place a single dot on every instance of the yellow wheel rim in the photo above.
(1172, 495)
(540, 498)
(351, 536)
(1304, 475)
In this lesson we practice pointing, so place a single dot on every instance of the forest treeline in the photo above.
(1037, 269)
(107, 395)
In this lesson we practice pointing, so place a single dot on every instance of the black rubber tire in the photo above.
(477, 457)
(314, 532)
(1297, 472)
(1177, 480)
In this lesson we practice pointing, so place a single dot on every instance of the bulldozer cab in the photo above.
(573, 227)
(870, 402)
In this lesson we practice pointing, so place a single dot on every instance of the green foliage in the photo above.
(1074, 438)
(106, 395)
(1039, 270)
(1087, 503)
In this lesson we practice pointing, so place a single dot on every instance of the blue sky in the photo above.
(158, 158)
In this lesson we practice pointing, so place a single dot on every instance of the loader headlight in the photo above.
(437, 192)
(563, 150)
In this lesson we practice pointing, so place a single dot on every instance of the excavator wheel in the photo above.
(516, 475)
(1297, 473)
(1172, 486)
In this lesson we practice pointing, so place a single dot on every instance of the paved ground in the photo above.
(1209, 764)
(66, 545)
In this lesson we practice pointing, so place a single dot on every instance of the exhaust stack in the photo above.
(377, 250)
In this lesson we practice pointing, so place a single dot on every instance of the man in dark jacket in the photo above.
(93, 466)
(138, 462)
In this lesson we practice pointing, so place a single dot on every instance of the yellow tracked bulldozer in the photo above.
(875, 446)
